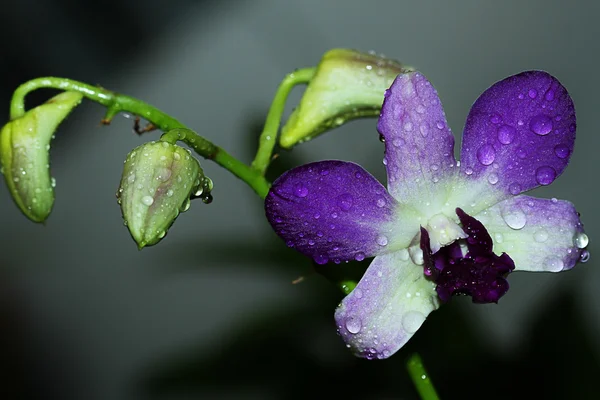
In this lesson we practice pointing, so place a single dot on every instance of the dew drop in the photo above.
(170, 193)
(541, 124)
(554, 264)
(147, 200)
(345, 201)
(540, 236)
(358, 293)
(515, 188)
(412, 320)
(493, 178)
(359, 256)
(561, 151)
(495, 119)
(581, 240)
(585, 256)
(499, 238)
(469, 171)
(440, 125)
(545, 175)
(382, 240)
(424, 129)
(515, 219)
(397, 142)
(353, 325)
(506, 134)
(408, 126)
(321, 259)
(486, 154)
(521, 153)
(532, 93)
(380, 202)
(300, 190)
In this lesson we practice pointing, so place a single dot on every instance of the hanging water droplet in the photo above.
(359, 256)
(545, 175)
(506, 134)
(541, 124)
(353, 325)
(185, 206)
(515, 219)
(584, 257)
(147, 200)
(321, 259)
(581, 240)
(486, 154)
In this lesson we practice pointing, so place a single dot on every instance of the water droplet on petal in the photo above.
(359, 256)
(540, 236)
(469, 171)
(495, 119)
(493, 178)
(301, 190)
(515, 219)
(412, 320)
(353, 325)
(147, 200)
(358, 293)
(382, 240)
(545, 175)
(486, 154)
(345, 201)
(561, 151)
(581, 240)
(515, 188)
(532, 93)
(554, 264)
(380, 202)
(440, 125)
(506, 134)
(541, 124)
(408, 126)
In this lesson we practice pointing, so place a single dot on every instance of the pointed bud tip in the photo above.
(347, 85)
(24, 154)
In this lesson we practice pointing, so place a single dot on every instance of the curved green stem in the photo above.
(268, 136)
(420, 378)
(116, 103)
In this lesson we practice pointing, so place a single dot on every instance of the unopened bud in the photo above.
(24, 154)
(159, 178)
(346, 85)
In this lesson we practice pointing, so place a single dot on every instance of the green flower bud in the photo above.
(159, 178)
(24, 154)
(346, 85)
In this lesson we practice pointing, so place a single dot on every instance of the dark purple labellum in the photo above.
(479, 273)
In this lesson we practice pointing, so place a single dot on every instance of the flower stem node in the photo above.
(24, 154)
(347, 85)
(159, 179)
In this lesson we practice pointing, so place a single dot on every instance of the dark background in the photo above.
(211, 312)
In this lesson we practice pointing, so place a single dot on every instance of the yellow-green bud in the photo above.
(24, 154)
(346, 85)
(159, 178)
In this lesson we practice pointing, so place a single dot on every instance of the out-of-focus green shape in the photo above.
(25, 157)
(347, 85)
(158, 180)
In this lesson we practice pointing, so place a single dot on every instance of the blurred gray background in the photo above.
(211, 312)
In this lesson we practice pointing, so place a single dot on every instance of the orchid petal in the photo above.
(336, 211)
(538, 234)
(519, 133)
(387, 307)
(419, 146)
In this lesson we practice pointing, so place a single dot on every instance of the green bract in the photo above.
(159, 178)
(24, 154)
(346, 85)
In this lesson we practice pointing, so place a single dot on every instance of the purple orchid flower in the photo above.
(443, 227)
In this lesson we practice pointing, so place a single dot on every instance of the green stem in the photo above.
(420, 378)
(268, 136)
(116, 103)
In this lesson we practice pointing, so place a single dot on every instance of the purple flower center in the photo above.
(478, 273)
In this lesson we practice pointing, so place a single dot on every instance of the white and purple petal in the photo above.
(519, 133)
(389, 304)
(538, 234)
(419, 146)
(336, 211)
